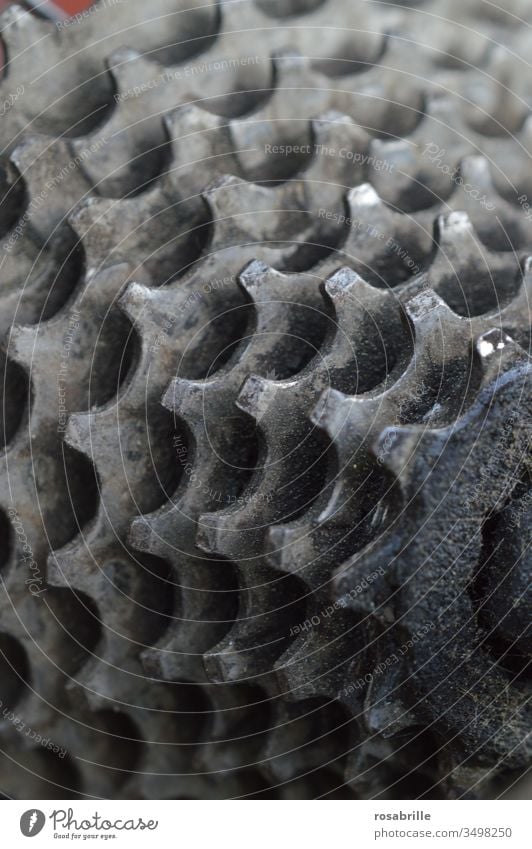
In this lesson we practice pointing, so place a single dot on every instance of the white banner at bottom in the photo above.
(267, 824)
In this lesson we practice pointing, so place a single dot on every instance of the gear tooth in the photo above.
(471, 294)
(425, 303)
(209, 536)
(386, 713)
(55, 573)
(88, 214)
(292, 673)
(344, 283)
(123, 56)
(170, 663)
(220, 534)
(396, 449)
(87, 684)
(33, 158)
(396, 151)
(178, 226)
(298, 549)
(290, 62)
(65, 566)
(200, 139)
(391, 149)
(133, 301)
(13, 14)
(279, 543)
(21, 346)
(428, 305)
(218, 199)
(407, 180)
(128, 68)
(19, 28)
(224, 199)
(315, 664)
(497, 353)
(141, 535)
(257, 277)
(440, 109)
(336, 504)
(362, 198)
(78, 432)
(173, 396)
(226, 664)
(354, 300)
(454, 229)
(381, 243)
(184, 396)
(190, 118)
(330, 412)
(237, 204)
(326, 178)
(371, 595)
(256, 396)
(167, 663)
(326, 123)
(28, 151)
(476, 170)
(298, 94)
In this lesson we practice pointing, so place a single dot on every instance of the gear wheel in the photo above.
(266, 309)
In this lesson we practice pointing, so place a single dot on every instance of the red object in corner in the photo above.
(68, 6)
(73, 6)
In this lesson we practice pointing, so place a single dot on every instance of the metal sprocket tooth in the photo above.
(278, 130)
(40, 261)
(41, 257)
(443, 135)
(227, 552)
(66, 62)
(472, 279)
(486, 719)
(20, 29)
(85, 563)
(189, 340)
(161, 229)
(280, 410)
(414, 178)
(56, 633)
(76, 90)
(437, 384)
(343, 518)
(67, 89)
(75, 347)
(286, 303)
(47, 495)
(320, 657)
